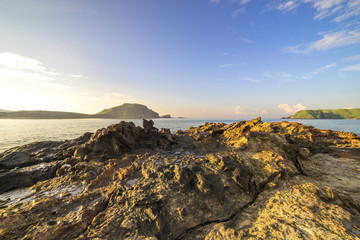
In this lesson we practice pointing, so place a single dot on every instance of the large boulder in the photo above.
(121, 138)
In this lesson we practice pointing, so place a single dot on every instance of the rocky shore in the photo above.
(247, 180)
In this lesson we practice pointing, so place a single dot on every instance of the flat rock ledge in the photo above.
(246, 180)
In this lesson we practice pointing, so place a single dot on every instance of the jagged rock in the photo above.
(247, 180)
(121, 138)
(27, 176)
(39, 152)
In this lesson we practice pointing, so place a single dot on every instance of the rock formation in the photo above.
(247, 180)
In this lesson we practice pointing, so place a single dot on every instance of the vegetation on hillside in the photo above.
(128, 111)
(42, 115)
(328, 114)
(125, 111)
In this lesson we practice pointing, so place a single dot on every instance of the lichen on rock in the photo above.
(247, 180)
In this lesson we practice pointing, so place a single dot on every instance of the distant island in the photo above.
(327, 114)
(124, 111)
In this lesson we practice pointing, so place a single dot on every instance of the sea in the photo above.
(17, 132)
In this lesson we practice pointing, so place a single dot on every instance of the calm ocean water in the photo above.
(19, 132)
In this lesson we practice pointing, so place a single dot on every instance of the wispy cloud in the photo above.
(355, 67)
(78, 76)
(288, 6)
(352, 58)
(15, 67)
(250, 80)
(291, 109)
(228, 54)
(268, 75)
(238, 11)
(121, 95)
(238, 110)
(243, 2)
(229, 65)
(18, 62)
(328, 41)
(246, 40)
(225, 65)
(343, 12)
(288, 77)
(340, 10)
(6, 73)
(326, 8)
(325, 4)
(283, 76)
(351, 9)
(317, 71)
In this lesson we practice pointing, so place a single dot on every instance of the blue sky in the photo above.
(203, 59)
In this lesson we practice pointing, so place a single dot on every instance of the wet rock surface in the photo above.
(247, 180)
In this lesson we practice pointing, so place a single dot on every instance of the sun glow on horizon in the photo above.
(194, 59)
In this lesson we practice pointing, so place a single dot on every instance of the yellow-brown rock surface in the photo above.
(247, 180)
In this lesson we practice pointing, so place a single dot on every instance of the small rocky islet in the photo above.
(246, 180)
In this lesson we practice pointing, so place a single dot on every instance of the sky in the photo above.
(230, 59)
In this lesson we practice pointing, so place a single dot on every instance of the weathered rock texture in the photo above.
(247, 180)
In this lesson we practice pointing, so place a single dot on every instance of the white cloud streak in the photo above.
(226, 65)
(320, 5)
(339, 9)
(78, 76)
(17, 68)
(18, 62)
(238, 11)
(328, 41)
(355, 67)
(288, 77)
(229, 65)
(250, 80)
(288, 6)
(324, 68)
(352, 58)
(351, 9)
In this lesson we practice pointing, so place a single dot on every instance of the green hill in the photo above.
(128, 111)
(327, 114)
(42, 115)
(125, 111)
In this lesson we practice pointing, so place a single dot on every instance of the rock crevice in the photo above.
(247, 180)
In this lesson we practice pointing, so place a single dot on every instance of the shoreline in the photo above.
(128, 181)
(21, 131)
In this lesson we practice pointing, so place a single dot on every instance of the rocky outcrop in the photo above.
(120, 138)
(247, 180)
